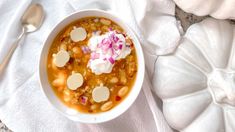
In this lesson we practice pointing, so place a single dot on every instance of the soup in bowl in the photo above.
(91, 66)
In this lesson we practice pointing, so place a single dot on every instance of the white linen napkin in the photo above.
(22, 104)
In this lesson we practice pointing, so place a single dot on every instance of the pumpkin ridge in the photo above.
(217, 6)
(176, 69)
(220, 27)
(232, 52)
(209, 59)
(187, 95)
(228, 120)
(195, 66)
(202, 52)
(182, 71)
(186, 52)
(173, 69)
(182, 109)
(201, 115)
(204, 30)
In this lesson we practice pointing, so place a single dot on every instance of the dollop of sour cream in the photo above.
(105, 50)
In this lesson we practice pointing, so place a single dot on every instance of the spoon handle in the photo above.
(6, 58)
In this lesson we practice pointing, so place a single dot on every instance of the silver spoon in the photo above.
(31, 21)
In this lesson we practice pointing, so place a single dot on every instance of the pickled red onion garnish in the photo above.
(83, 100)
(105, 50)
(120, 47)
(111, 60)
(112, 45)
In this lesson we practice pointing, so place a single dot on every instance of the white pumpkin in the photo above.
(197, 82)
(221, 9)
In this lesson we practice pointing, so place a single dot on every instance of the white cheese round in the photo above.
(61, 58)
(100, 93)
(78, 34)
(75, 81)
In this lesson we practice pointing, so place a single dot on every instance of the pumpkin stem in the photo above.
(222, 86)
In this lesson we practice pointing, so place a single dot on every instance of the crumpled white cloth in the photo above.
(22, 104)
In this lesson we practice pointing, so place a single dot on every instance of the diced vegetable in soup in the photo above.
(92, 65)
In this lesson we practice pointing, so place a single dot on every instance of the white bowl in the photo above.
(71, 113)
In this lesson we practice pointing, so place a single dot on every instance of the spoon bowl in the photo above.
(33, 18)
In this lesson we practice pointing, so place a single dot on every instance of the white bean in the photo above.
(77, 51)
(63, 46)
(113, 80)
(96, 20)
(94, 107)
(58, 82)
(54, 67)
(123, 91)
(105, 21)
(123, 78)
(67, 92)
(106, 106)
(112, 89)
(93, 27)
(67, 98)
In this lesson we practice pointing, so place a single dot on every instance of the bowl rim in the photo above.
(135, 90)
